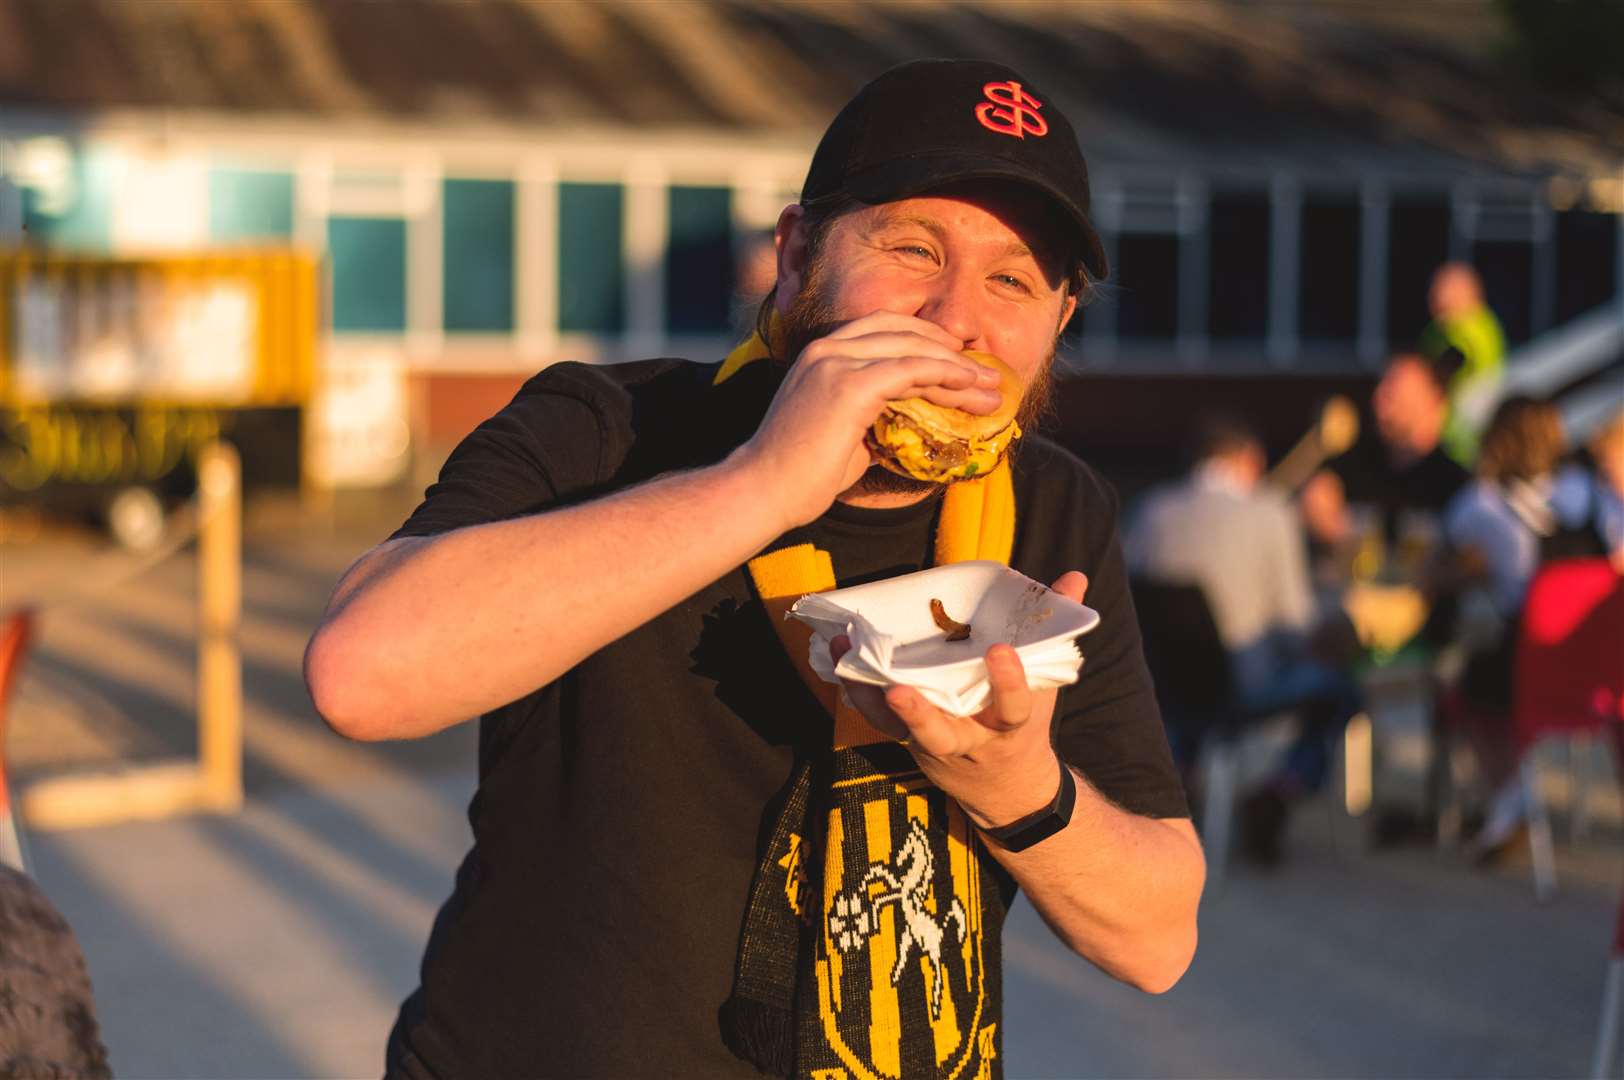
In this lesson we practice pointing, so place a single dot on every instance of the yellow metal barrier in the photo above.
(213, 782)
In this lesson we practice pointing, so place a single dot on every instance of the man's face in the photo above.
(1249, 465)
(1455, 292)
(1407, 405)
(980, 262)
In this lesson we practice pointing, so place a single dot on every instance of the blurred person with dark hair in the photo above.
(1463, 322)
(1241, 542)
(1497, 526)
(1506, 511)
(1400, 470)
(47, 1012)
(689, 854)
(1589, 502)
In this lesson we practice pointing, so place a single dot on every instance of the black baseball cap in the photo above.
(927, 123)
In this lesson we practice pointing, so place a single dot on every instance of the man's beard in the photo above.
(811, 316)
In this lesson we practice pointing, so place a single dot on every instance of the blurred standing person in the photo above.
(1399, 470)
(1497, 526)
(1243, 545)
(1462, 321)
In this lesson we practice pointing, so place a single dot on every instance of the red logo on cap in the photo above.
(1014, 113)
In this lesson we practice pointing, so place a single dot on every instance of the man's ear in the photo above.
(789, 243)
(1068, 308)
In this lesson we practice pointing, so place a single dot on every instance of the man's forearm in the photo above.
(1118, 888)
(437, 631)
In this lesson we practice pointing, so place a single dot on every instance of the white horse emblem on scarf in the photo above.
(856, 914)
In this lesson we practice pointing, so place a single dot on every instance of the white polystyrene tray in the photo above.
(895, 641)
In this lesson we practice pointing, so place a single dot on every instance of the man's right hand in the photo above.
(809, 447)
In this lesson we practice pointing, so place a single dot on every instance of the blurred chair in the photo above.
(1190, 668)
(15, 634)
(1568, 678)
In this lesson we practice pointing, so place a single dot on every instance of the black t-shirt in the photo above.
(1369, 477)
(620, 810)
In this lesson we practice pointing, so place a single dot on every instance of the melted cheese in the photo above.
(911, 452)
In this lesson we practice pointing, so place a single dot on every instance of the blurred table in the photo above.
(1400, 676)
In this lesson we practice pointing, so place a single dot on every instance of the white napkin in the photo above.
(960, 688)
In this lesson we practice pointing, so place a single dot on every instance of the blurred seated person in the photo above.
(1462, 321)
(1589, 502)
(1502, 517)
(1497, 526)
(1400, 471)
(1242, 544)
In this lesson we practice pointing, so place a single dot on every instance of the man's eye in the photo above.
(915, 249)
(1013, 282)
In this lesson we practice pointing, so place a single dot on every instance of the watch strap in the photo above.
(1042, 823)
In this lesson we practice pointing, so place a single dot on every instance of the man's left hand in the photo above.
(1000, 763)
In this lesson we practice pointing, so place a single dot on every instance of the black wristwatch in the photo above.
(1041, 824)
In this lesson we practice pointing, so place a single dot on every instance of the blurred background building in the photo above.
(493, 187)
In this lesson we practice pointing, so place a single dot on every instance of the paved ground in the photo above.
(278, 941)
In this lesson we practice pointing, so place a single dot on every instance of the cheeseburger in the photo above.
(919, 439)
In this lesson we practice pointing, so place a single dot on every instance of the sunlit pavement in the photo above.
(278, 942)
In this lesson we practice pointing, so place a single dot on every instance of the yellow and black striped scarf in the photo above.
(870, 947)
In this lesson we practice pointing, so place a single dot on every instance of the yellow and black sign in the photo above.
(44, 449)
(226, 330)
(65, 445)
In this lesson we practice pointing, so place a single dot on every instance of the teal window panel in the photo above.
(79, 215)
(699, 267)
(249, 204)
(591, 259)
(479, 250)
(368, 259)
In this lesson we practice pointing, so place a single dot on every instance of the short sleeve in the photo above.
(561, 435)
(1108, 724)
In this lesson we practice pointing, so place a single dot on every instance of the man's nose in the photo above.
(950, 304)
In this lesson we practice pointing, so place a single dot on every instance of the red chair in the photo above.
(1570, 680)
(1569, 676)
(15, 633)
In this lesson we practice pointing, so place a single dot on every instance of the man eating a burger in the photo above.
(691, 856)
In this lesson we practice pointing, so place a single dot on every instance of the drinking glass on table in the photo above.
(1368, 545)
